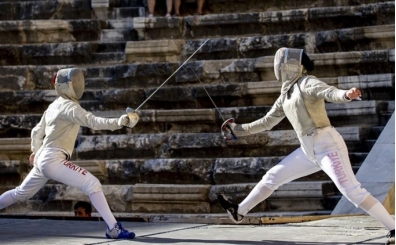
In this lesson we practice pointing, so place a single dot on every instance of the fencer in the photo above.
(52, 143)
(302, 102)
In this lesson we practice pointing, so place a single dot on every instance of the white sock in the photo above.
(6, 200)
(99, 202)
(374, 208)
(259, 193)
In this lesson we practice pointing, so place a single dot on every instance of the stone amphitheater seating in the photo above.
(174, 160)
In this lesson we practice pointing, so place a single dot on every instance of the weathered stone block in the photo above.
(177, 171)
(170, 198)
(19, 10)
(242, 170)
(9, 167)
(154, 51)
(126, 171)
(118, 35)
(119, 146)
(158, 28)
(306, 193)
(367, 81)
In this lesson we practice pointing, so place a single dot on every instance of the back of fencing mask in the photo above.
(287, 64)
(71, 78)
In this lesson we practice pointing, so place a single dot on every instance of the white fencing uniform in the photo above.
(54, 136)
(53, 141)
(53, 164)
(302, 101)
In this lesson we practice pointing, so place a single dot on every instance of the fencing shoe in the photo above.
(391, 237)
(118, 232)
(231, 208)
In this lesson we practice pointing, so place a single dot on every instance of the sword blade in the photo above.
(185, 62)
(203, 86)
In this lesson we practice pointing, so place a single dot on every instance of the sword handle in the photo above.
(226, 130)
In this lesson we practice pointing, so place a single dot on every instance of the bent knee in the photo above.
(91, 186)
(270, 182)
(20, 195)
(356, 196)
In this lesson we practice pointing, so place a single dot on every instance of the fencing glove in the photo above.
(128, 120)
(230, 130)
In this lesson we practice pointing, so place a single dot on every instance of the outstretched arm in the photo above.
(272, 118)
(319, 89)
(80, 116)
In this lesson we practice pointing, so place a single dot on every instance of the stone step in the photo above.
(127, 12)
(12, 172)
(376, 131)
(265, 22)
(170, 198)
(303, 189)
(235, 71)
(111, 9)
(122, 3)
(126, 23)
(45, 9)
(237, 6)
(118, 35)
(215, 72)
(198, 120)
(108, 58)
(251, 95)
(247, 114)
(380, 37)
(313, 196)
(103, 47)
(172, 171)
(143, 51)
(8, 143)
(374, 87)
(57, 54)
(254, 90)
(326, 65)
(369, 143)
(47, 31)
(108, 52)
(163, 198)
(14, 149)
(242, 114)
(192, 145)
(384, 118)
(357, 158)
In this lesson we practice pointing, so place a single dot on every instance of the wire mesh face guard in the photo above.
(73, 76)
(287, 64)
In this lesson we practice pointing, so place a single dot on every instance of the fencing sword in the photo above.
(133, 116)
(185, 62)
(226, 131)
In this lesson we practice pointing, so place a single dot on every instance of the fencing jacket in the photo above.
(304, 106)
(60, 123)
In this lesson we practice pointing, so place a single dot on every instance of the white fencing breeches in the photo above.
(52, 164)
(330, 154)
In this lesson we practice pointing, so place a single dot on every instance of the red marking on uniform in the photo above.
(74, 167)
(337, 166)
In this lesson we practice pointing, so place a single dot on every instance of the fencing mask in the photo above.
(70, 83)
(289, 65)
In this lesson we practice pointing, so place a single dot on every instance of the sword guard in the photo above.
(226, 130)
(133, 117)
